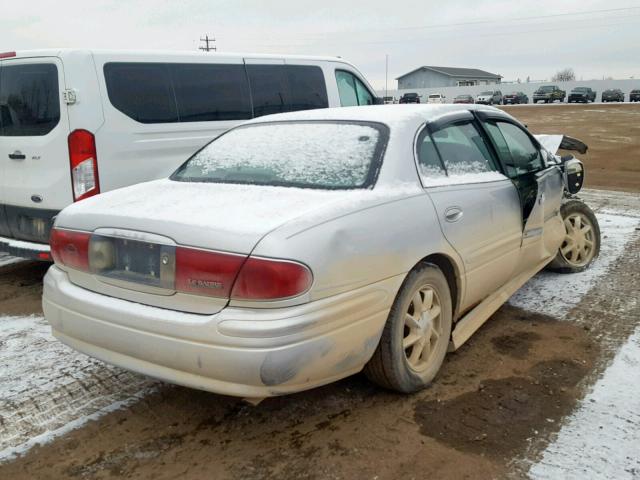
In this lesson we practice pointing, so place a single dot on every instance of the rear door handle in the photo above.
(17, 155)
(453, 214)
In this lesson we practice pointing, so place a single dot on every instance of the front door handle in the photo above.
(17, 155)
(453, 214)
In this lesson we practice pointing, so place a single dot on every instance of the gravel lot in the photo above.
(548, 388)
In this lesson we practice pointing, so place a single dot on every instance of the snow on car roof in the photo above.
(392, 115)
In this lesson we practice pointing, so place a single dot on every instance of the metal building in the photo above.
(434, 77)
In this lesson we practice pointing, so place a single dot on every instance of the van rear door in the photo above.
(34, 158)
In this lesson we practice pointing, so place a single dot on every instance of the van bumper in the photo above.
(241, 352)
(29, 250)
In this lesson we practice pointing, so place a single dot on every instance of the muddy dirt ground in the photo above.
(612, 133)
(494, 407)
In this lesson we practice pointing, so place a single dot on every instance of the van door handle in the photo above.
(453, 214)
(17, 155)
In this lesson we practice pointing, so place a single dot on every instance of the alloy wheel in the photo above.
(578, 246)
(422, 328)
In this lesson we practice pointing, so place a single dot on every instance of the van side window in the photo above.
(351, 90)
(286, 88)
(210, 92)
(29, 99)
(142, 91)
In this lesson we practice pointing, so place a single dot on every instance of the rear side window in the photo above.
(180, 92)
(211, 92)
(463, 149)
(351, 90)
(142, 91)
(29, 99)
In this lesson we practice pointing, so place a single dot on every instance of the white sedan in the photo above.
(300, 248)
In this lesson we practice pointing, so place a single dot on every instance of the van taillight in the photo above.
(269, 279)
(84, 164)
(70, 248)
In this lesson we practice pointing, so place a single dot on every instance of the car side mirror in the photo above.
(573, 174)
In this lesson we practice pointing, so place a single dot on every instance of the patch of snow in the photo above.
(45, 385)
(556, 294)
(602, 438)
(8, 260)
(38, 247)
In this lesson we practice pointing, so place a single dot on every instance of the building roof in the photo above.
(455, 72)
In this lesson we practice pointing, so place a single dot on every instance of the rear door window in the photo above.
(463, 149)
(308, 88)
(29, 99)
(206, 92)
(351, 90)
(142, 91)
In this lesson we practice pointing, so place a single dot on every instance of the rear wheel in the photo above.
(581, 245)
(416, 336)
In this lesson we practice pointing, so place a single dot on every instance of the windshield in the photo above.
(462, 96)
(434, 96)
(410, 94)
(580, 89)
(546, 89)
(486, 93)
(328, 155)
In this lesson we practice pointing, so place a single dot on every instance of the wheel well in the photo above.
(450, 272)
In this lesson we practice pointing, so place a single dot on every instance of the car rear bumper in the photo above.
(238, 351)
(30, 250)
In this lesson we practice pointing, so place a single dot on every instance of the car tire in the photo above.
(581, 245)
(398, 362)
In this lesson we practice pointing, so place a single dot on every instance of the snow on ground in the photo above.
(47, 389)
(602, 438)
(8, 260)
(556, 294)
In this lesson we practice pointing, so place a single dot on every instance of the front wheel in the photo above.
(581, 244)
(416, 336)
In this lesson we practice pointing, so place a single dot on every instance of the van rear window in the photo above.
(29, 99)
(181, 92)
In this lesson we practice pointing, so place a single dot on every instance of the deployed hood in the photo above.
(553, 143)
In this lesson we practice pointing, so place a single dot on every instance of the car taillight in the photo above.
(7, 54)
(267, 279)
(70, 248)
(202, 272)
(84, 164)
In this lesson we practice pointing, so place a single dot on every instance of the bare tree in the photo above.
(564, 75)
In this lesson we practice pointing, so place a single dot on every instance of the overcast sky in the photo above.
(513, 38)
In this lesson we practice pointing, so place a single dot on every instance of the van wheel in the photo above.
(581, 245)
(416, 336)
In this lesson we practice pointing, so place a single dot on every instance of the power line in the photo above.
(206, 47)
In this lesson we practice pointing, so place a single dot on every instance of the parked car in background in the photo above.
(613, 95)
(582, 94)
(76, 123)
(389, 100)
(549, 94)
(410, 98)
(463, 99)
(515, 98)
(264, 294)
(436, 98)
(634, 95)
(490, 97)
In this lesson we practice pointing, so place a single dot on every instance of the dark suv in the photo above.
(515, 98)
(582, 94)
(634, 95)
(613, 95)
(410, 98)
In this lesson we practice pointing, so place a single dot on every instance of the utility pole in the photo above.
(206, 41)
(386, 75)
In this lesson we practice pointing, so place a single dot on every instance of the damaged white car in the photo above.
(301, 248)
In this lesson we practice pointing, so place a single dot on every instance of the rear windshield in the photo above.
(29, 99)
(434, 96)
(326, 155)
(486, 93)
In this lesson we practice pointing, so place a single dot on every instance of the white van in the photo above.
(436, 98)
(74, 123)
